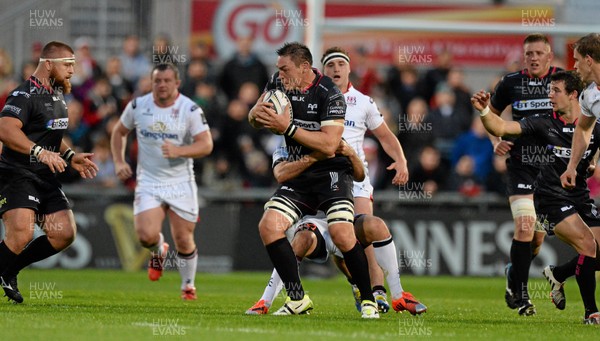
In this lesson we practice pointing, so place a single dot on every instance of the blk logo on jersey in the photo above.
(58, 124)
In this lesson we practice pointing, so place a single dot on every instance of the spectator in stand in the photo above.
(433, 77)
(497, 179)
(429, 174)
(256, 163)
(402, 85)
(163, 51)
(27, 70)
(200, 51)
(106, 176)
(206, 97)
(447, 121)
(244, 66)
(413, 132)
(143, 86)
(121, 88)
(196, 72)
(462, 93)
(77, 130)
(463, 178)
(7, 84)
(99, 104)
(87, 69)
(476, 144)
(364, 74)
(134, 63)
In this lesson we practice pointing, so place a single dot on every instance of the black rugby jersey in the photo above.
(44, 116)
(526, 96)
(321, 101)
(554, 137)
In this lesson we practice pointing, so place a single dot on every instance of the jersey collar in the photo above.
(558, 117)
(551, 70)
(315, 81)
(168, 105)
(349, 88)
(38, 84)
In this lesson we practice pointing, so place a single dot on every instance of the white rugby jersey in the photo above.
(154, 125)
(590, 101)
(361, 114)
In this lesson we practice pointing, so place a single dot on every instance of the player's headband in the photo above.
(65, 60)
(335, 55)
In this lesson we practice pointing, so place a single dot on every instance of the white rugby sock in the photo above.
(387, 258)
(272, 289)
(186, 265)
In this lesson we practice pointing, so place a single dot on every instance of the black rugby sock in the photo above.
(283, 258)
(357, 264)
(520, 257)
(37, 250)
(585, 275)
(7, 257)
(566, 270)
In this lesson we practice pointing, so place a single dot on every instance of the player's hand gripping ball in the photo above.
(280, 102)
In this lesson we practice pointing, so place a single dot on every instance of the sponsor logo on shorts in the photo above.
(566, 208)
(32, 198)
(334, 181)
(524, 186)
(58, 124)
(286, 188)
(3, 202)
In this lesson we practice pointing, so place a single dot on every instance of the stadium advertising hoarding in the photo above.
(441, 240)
(220, 23)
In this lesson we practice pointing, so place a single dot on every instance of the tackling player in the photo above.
(568, 213)
(311, 238)
(171, 130)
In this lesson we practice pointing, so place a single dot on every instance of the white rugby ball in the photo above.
(279, 100)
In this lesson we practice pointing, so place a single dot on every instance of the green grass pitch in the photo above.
(114, 305)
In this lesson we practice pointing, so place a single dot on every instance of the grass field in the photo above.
(113, 305)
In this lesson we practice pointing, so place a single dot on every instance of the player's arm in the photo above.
(80, 162)
(500, 147)
(14, 138)
(493, 123)
(581, 140)
(358, 169)
(117, 147)
(201, 147)
(287, 170)
(392, 147)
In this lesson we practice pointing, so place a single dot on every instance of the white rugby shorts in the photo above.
(181, 197)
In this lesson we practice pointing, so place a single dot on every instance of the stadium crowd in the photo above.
(427, 107)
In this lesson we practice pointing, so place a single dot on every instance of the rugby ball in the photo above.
(279, 100)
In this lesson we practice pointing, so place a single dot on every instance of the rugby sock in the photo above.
(357, 264)
(272, 289)
(283, 258)
(38, 249)
(6, 256)
(385, 253)
(566, 270)
(187, 264)
(158, 247)
(585, 275)
(520, 257)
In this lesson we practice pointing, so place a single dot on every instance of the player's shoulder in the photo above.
(141, 101)
(186, 104)
(514, 76)
(590, 94)
(324, 84)
(360, 97)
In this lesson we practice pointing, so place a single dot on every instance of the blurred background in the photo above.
(419, 62)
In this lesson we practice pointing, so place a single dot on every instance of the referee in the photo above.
(32, 124)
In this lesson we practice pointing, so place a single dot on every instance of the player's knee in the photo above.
(147, 239)
(341, 211)
(303, 243)
(375, 229)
